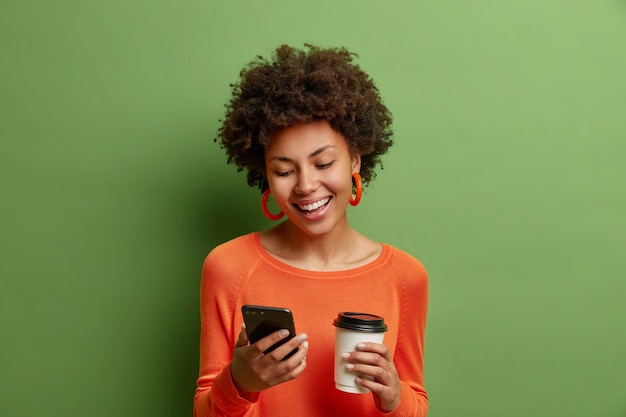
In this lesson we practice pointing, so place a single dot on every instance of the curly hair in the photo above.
(301, 86)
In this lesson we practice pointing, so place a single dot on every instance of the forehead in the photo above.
(304, 139)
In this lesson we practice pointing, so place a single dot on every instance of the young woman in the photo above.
(309, 128)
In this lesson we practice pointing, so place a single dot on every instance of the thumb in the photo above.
(243, 337)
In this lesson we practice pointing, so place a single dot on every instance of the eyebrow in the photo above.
(313, 154)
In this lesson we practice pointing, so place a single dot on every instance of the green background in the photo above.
(506, 180)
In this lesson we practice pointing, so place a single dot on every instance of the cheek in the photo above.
(341, 182)
(281, 190)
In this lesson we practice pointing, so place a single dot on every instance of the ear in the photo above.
(356, 162)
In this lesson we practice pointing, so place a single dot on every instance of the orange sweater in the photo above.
(241, 272)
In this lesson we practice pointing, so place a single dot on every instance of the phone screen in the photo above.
(262, 321)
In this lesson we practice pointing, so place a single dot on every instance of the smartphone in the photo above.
(262, 321)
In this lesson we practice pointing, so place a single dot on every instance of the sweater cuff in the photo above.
(409, 404)
(229, 398)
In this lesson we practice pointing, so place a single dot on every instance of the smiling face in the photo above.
(309, 170)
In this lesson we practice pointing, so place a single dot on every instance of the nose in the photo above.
(307, 182)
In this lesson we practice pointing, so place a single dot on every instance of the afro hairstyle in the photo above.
(300, 86)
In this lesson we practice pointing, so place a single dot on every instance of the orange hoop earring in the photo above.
(358, 184)
(266, 196)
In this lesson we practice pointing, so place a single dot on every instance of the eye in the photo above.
(282, 173)
(326, 165)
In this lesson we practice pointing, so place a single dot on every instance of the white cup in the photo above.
(351, 329)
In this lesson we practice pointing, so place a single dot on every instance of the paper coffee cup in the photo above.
(352, 328)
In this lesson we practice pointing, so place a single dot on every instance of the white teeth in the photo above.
(314, 206)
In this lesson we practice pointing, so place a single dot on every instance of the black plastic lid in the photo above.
(362, 322)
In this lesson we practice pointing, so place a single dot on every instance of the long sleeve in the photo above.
(216, 394)
(412, 280)
(238, 272)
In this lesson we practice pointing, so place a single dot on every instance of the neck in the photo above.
(330, 251)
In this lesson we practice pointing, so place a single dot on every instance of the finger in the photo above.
(375, 348)
(373, 373)
(367, 358)
(295, 365)
(372, 364)
(291, 348)
(268, 341)
(374, 386)
(300, 363)
(387, 397)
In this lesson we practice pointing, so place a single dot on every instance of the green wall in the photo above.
(506, 180)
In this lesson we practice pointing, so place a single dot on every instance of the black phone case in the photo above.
(262, 321)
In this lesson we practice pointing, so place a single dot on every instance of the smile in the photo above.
(315, 205)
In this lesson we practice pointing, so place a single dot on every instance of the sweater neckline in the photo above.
(268, 258)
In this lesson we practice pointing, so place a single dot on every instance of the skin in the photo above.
(253, 372)
(311, 165)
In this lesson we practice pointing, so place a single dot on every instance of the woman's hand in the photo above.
(377, 372)
(253, 371)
